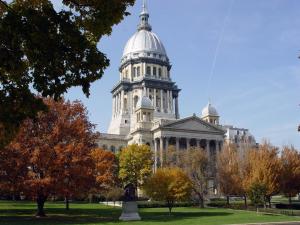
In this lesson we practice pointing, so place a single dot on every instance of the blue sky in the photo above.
(256, 80)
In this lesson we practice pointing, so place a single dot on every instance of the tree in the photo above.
(257, 193)
(265, 169)
(47, 52)
(229, 175)
(114, 194)
(54, 153)
(290, 179)
(196, 165)
(105, 170)
(135, 164)
(169, 185)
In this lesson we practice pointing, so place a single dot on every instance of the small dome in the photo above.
(145, 103)
(209, 110)
(146, 44)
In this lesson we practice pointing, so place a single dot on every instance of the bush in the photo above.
(155, 204)
(287, 206)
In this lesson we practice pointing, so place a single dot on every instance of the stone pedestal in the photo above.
(130, 211)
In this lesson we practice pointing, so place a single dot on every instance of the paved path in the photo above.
(279, 223)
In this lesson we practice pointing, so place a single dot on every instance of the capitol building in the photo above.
(145, 107)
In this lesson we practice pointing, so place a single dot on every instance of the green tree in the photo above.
(169, 185)
(47, 52)
(257, 193)
(135, 164)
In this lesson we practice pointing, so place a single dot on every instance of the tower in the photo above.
(144, 71)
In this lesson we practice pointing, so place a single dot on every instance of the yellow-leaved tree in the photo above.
(135, 164)
(169, 185)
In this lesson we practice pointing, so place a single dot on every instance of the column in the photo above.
(207, 148)
(122, 101)
(176, 108)
(177, 144)
(161, 101)
(167, 143)
(169, 101)
(187, 144)
(161, 148)
(154, 97)
(155, 154)
(197, 144)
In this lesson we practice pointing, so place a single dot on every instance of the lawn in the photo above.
(17, 213)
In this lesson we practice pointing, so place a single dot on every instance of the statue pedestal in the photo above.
(130, 211)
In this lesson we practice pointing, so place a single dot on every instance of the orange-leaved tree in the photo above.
(290, 179)
(265, 169)
(54, 153)
(229, 175)
(105, 170)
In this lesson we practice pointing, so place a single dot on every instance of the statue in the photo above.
(129, 193)
(129, 205)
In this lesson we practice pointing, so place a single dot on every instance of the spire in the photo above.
(144, 17)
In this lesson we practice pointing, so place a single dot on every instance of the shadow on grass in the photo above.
(59, 216)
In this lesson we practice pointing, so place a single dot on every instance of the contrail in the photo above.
(221, 37)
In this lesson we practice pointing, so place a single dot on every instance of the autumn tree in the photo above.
(195, 163)
(170, 185)
(290, 179)
(48, 51)
(105, 170)
(53, 151)
(135, 164)
(265, 169)
(229, 176)
(114, 194)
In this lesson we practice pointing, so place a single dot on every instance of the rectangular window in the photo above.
(159, 72)
(154, 71)
(148, 70)
(138, 71)
(134, 71)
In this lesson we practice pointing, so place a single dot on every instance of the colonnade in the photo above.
(161, 144)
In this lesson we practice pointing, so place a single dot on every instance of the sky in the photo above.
(242, 55)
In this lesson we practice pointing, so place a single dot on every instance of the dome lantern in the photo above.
(210, 114)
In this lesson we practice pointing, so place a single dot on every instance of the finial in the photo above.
(144, 17)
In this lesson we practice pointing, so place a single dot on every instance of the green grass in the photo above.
(17, 213)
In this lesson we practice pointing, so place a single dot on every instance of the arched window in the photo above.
(154, 71)
(138, 71)
(135, 100)
(159, 72)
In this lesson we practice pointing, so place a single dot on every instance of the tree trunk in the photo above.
(245, 202)
(67, 202)
(201, 201)
(290, 200)
(227, 200)
(170, 206)
(40, 205)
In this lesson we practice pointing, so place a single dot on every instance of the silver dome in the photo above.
(209, 110)
(144, 43)
(145, 103)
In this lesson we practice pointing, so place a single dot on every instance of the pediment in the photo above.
(194, 124)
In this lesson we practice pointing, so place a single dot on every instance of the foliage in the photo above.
(169, 185)
(105, 170)
(290, 179)
(229, 171)
(52, 153)
(195, 163)
(257, 193)
(114, 194)
(47, 52)
(135, 164)
(265, 169)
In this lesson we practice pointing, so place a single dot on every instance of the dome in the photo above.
(145, 103)
(209, 110)
(144, 41)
